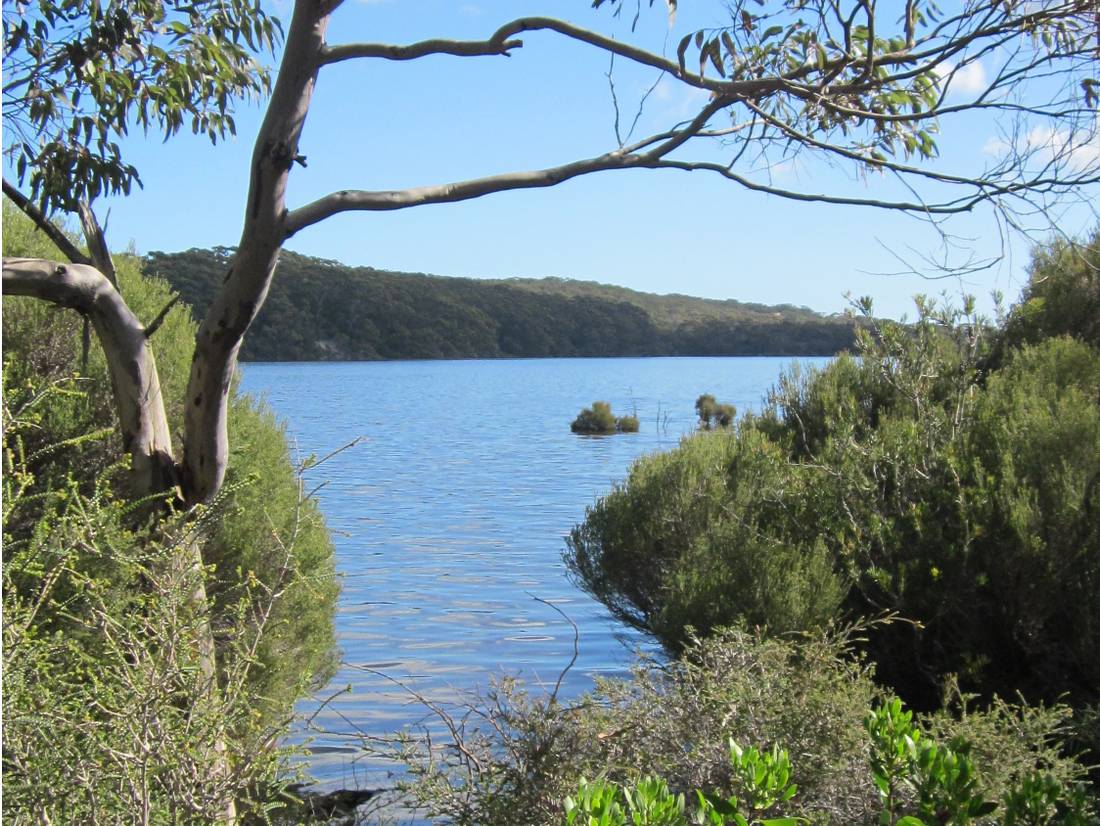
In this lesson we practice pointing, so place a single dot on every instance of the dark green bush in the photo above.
(626, 424)
(712, 414)
(598, 420)
(909, 480)
(1062, 296)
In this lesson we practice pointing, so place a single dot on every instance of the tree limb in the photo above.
(133, 372)
(97, 243)
(349, 200)
(389, 51)
(59, 238)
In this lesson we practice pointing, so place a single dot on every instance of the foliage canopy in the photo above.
(77, 75)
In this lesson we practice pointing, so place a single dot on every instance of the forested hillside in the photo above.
(323, 310)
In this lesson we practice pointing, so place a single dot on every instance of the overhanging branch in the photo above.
(133, 372)
(353, 200)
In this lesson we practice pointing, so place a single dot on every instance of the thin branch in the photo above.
(950, 208)
(576, 645)
(154, 325)
(459, 48)
(503, 40)
(59, 238)
(349, 200)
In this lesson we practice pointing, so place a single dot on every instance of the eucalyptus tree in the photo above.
(864, 84)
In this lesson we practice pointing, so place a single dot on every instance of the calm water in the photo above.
(449, 517)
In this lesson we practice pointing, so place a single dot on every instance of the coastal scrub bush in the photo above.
(595, 419)
(599, 420)
(686, 541)
(712, 414)
(1062, 296)
(647, 743)
(912, 479)
(108, 714)
(264, 532)
(627, 424)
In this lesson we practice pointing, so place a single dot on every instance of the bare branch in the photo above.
(350, 200)
(145, 434)
(59, 238)
(388, 51)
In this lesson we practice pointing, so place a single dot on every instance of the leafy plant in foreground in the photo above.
(108, 716)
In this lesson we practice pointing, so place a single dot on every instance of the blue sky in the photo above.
(377, 125)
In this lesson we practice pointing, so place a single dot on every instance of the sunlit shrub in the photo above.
(109, 716)
(908, 479)
(516, 758)
(263, 515)
(691, 539)
(598, 420)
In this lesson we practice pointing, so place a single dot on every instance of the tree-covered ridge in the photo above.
(324, 310)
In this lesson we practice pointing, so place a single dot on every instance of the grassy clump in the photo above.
(713, 414)
(598, 420)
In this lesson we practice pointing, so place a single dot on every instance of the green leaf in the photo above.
(681, 51)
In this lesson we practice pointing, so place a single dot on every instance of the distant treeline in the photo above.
(322, 310)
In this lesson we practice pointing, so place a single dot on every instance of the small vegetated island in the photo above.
(598, 420)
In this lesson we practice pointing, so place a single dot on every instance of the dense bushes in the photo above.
(262, 535)
(108, 715)
(911, 479)
(519, 758)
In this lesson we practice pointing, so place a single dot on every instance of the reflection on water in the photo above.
(449, 518)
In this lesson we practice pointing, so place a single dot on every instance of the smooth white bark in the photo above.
(130, 363)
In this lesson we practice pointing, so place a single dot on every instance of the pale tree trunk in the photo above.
(206, 445)
(138, 403)
(134, 379)
(130, 364)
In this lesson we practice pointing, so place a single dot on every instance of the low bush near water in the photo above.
(598, 420)
(804, 712)
(108, 717)
(918, 478)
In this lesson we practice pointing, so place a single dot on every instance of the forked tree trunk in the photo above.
(206, 441)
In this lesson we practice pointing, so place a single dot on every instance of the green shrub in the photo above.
(712, 414)
(626, 424)
(906, 480)
(108, 717)
(598, 420)
(1062, 296)
(263, 531)
(693, 538)
(667, 731)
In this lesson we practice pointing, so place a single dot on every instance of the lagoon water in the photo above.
(449, 518)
